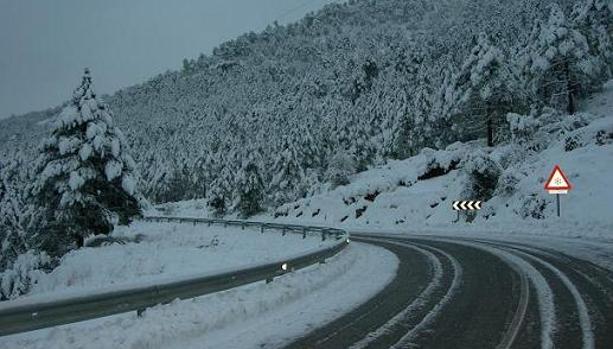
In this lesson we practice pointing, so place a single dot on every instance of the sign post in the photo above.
(558, 184)
(465, 205)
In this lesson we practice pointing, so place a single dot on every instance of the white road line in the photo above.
(418, 302)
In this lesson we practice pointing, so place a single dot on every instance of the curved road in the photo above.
(476, 293)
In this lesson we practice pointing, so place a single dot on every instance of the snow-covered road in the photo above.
(465, 292)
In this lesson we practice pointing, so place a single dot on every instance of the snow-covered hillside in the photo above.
(417, 193)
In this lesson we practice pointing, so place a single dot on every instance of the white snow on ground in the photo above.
(166, 251)
(252, 316)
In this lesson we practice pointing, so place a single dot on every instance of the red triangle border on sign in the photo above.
(557, 168)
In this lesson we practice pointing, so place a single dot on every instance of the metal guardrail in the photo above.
(324, 232)
(33, 316)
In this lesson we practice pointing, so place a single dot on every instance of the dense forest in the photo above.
(273, 116)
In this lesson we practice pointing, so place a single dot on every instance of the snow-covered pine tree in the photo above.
(439, 117)
(250, 187)
(288, 176)
(220, 196)
(483, 96)
(561, 62)
(12, 232)
(421, 108)
(20, 263)
(401, 137)
(86, 178)
(594, 19)
(340, 166)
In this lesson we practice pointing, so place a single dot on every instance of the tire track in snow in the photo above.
(585, 322)
(543, 290)
(522, 308)
(429, 318)
(418, 303)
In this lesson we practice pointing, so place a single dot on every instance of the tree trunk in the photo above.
(571, 102)
(490, 132)
(80, 241)
(569, 90)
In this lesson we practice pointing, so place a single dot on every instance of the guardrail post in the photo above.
(323, 236)
(283, 232)
(304, 231)
(262, 229)
(140, 312)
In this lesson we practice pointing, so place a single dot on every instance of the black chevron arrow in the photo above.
(466, 205)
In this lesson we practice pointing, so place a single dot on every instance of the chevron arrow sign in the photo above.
(467, 205)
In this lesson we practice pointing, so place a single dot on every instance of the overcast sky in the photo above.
(45, 44)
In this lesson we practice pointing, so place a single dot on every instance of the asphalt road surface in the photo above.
(469, 293)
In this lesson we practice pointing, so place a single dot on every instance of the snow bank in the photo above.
(250, 316)
(166, 251)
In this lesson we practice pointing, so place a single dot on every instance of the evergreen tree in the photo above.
(288, 176)
(401, 138)
(86, 178)
(250, 188)
(12, 233)
(483, 96)
(561, 63)
(221, 191)
(594, 19)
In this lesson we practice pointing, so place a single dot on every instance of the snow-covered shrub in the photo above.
(507, 183)
(438, 163)
(106, 240)
(340, 167)
(217, 202)
(25, 272)
(602, 137)
(572, 142)
(522, 127)
(533, 206)
(558, 124)
(482, 174)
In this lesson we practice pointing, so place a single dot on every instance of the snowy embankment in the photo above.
(165, 252)
(415, 195)
(237, 318)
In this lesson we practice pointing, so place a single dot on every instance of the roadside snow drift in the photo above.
(250, 316)
(166, 251)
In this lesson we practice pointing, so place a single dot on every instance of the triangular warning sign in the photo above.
(557, 182)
